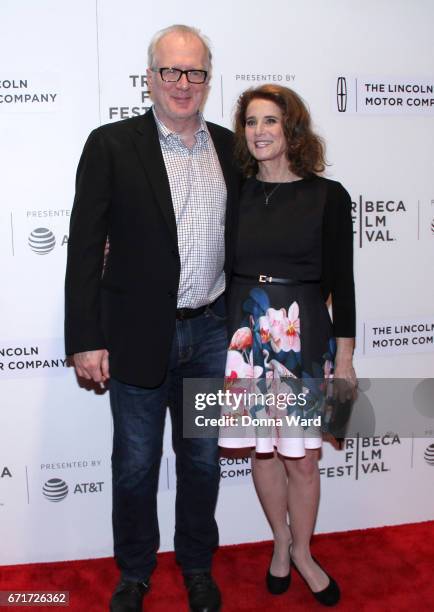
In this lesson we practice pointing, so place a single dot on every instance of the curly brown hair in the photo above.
(305, 150)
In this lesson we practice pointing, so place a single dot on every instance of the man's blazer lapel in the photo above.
(146, 141)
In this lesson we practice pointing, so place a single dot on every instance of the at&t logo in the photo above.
(429, 455)
(55, 490)
(88, 487)
(42, 241)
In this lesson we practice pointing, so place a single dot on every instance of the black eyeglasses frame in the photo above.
(181, 72)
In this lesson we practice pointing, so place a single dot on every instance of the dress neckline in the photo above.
(300, 180)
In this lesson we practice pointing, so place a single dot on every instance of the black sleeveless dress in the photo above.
(283, 333)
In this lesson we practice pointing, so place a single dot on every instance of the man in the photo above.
(161, 187)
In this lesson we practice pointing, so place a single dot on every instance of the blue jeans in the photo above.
(198, 351)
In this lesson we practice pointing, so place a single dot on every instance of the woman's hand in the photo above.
(345, 379)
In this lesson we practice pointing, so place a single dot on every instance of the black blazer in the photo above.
(122, 191)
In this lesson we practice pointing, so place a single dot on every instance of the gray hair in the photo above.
(180, 29)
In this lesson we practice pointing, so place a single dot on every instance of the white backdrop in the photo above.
(365, 68)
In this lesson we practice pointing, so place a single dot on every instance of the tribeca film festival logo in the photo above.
(35, 93)
(139, 85)
(429, 455)
(371, 219)
(384, 95)
(363, 456)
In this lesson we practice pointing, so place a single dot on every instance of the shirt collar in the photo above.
(202, 133)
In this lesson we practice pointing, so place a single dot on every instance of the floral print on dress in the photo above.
(267, 349)
(268, 343)
(281, 329)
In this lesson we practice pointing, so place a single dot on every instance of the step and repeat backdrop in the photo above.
(365, 70)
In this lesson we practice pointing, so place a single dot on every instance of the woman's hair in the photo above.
(305, 150)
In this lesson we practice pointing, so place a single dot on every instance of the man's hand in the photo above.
(93, 365)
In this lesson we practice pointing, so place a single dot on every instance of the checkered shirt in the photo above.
(199, 200)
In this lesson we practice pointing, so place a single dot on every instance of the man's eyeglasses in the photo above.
(172, 75)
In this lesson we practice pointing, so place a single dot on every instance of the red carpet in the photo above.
(390, 568)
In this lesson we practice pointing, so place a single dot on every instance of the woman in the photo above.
(294, 251)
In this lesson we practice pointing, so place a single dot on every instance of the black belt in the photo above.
(273, 280)
(189, 313)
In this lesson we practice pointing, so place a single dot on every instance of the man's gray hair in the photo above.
(180, 29)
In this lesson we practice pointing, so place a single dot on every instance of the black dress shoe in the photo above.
(328, 596)
(128, 596)
(203, 593)
(277, 585)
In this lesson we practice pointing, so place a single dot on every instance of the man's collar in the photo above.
(165, 132)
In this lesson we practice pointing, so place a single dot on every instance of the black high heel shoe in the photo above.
(329, 596)
(277, 585)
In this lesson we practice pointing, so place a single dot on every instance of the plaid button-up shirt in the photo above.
(199, 196)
